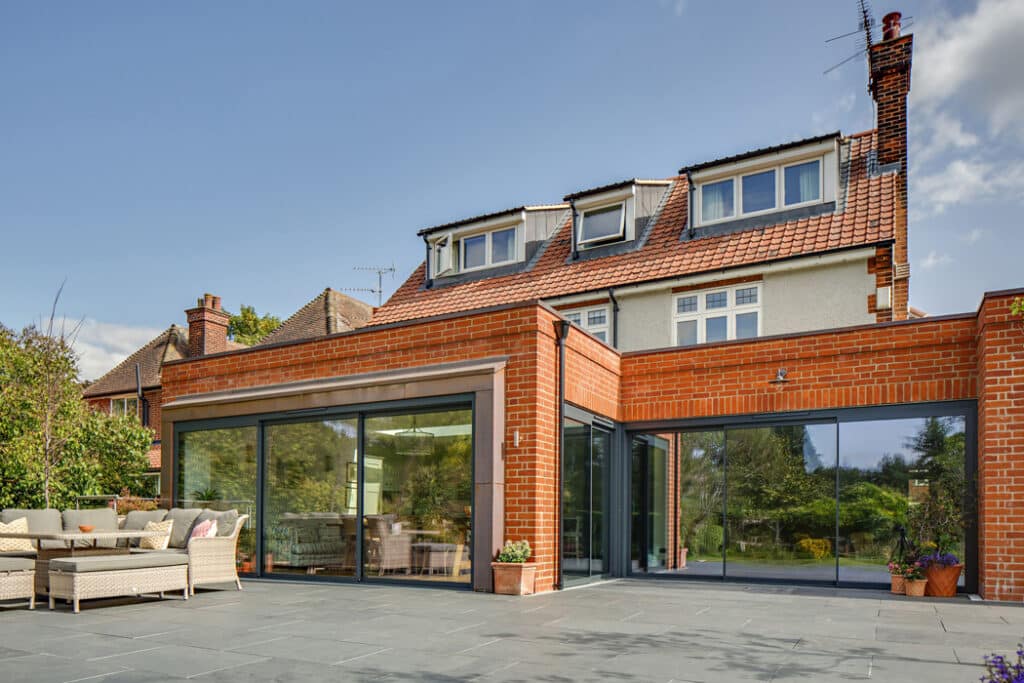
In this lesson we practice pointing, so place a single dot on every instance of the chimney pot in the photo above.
(216, 302)
(891, 25)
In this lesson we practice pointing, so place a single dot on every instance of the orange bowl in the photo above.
(85, 528)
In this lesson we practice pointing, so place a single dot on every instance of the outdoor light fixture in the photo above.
(780, 377)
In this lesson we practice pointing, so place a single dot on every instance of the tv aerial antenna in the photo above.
(865, 30)
(379, 289)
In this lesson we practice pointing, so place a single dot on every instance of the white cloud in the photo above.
(934, 260)
(974, 58)
(968, 180)
(942, 132)
(100, 346)
(678, 7)
(973, 235)
(824, 120)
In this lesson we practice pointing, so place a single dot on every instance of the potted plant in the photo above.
(914, 580)
(943, 572)
(513, 575)
(897, 577)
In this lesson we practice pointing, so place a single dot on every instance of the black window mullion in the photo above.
(360, 483)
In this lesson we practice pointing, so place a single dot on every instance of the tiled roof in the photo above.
(866, 217)
(758, 152)
(330, 312)
(171, 344)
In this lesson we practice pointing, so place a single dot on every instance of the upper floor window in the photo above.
(489, 249)
(781, 187)
(603, 223)
(124, 406)
(718, 314)
(593, 320)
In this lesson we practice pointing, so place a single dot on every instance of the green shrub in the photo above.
(515, 551)
(708, 539)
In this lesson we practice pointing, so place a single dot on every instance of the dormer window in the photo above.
(755, 184)
(489, 249)
(603, 224)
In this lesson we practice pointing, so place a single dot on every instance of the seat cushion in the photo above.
(136, 520)
(104, 519)
(184, 519)
(225, 519)
(174, 551)
(115, 563)
(16, 564)
(16, 545)
(28, 554)
(39, 521)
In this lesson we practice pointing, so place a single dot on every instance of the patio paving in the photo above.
(620, 631)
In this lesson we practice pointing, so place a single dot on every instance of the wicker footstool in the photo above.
(17, 578)
(107, 576)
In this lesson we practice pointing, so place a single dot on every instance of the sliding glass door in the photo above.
(585, 458)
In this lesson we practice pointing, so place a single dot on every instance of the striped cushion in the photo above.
(157, 542)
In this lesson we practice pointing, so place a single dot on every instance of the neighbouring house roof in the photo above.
(171, 344)
(865, 216)
(330, 312)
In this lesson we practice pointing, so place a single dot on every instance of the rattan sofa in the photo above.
(107, 576)
(17, 576)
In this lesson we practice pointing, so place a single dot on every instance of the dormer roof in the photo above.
(488, 216)
(764, 151)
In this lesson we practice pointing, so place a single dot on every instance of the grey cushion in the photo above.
(104, 519)
(39, 521)
(226, 520)
(16, 564)
(184, 519)
(114, 563)
(173, 551)
(136, 520)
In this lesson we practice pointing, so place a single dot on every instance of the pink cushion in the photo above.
(204, 529)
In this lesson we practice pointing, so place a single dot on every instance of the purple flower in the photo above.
(999, 670)
(939, 560)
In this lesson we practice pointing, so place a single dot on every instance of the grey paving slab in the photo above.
(51, 669)
(182, 661)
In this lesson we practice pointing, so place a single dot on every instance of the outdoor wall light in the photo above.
(780, 377)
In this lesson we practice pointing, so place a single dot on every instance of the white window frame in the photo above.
(584, 325)
(780, 190)
(488, 263)
(730, 311)
(606, 238)
(443, 253)
(123, 400)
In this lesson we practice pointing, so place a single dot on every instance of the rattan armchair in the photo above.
(212, 560)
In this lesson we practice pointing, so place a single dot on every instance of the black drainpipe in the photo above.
(428, 282)
(691, 198)
(561, 332)
(615, 317)
(572, 213)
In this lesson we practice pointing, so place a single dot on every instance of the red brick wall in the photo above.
(908, 362)
(1001, 450)
(592, 372)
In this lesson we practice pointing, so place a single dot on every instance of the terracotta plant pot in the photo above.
(942, 580)
(899, 584)
(682, 557)
(514, 578)
(915, 587)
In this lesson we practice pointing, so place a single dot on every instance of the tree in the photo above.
(247, 327)
(52, 447)
(1017, 307)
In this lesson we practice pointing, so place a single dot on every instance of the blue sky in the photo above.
(260, 151)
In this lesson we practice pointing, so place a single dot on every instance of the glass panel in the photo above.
(217, 470)
(686, 304)
(503, 245)
(701, 489)
(117, 406)
(897, 474)
(716, 300)
(717, 329)
(474, 251)
(686, 332)
(651, 551)
(781, 506)
(746, 325)
(716, 200)
(576, 534)
(598, 317)
(602, 223)
(417, 496)
(600, 443)
(746, 295)
(574, 318)
(802, 182)
(601, 334)
(759, 191)
(309, 497)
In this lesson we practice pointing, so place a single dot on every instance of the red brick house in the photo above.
(133, 387)
(713, 375)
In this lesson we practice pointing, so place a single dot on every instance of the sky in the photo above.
(151, 152)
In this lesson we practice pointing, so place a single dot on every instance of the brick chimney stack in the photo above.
(207, 327)
(889, 66)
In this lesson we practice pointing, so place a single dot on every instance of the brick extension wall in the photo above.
(900, 362)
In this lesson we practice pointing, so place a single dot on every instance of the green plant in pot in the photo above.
(513, 575)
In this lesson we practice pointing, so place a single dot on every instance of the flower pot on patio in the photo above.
(915, 587)
(942, 580)
(898, 584)
(514, 578)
